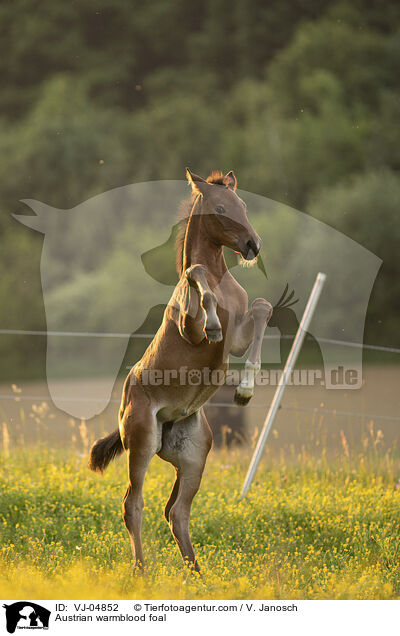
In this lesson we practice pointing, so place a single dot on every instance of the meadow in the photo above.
(323, 527)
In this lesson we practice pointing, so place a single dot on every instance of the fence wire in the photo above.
(148, 336)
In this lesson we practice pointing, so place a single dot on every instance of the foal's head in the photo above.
(225, 217)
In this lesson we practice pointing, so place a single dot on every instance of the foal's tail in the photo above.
(104, 450)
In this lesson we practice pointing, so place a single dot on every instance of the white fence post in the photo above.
(290, 362)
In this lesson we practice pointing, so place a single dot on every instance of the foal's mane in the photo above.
(185, 209)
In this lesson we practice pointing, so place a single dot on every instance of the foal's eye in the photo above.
(220, 209)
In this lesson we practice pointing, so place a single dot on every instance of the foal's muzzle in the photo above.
(252, 249)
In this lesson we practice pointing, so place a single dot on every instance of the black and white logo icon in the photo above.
(26, 615)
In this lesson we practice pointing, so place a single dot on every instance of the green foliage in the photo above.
(365, 207)
(116, 46)
(178, 127)
(63, 151)
(355, 58)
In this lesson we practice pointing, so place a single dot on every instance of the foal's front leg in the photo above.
(196, 276)
(250, 332)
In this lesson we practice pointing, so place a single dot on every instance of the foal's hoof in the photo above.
(214, 335)
(139, 569)
(241, 399)
(193, 567)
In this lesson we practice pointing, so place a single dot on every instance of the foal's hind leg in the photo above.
(186, 445)
(173, 496)
(141, 438)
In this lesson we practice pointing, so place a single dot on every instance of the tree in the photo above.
(365, 207)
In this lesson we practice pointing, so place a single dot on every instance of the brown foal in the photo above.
(206, 319)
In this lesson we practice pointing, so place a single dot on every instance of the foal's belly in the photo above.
(183, 402)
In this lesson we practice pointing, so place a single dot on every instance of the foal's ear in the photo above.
(198, 184)
(230, 180)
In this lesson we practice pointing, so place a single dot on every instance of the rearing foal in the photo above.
(206, 319)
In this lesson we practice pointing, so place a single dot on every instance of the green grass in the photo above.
(311, 528)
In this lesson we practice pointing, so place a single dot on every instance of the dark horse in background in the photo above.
(206, 319)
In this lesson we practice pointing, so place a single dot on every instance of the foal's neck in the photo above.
(199, 249)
